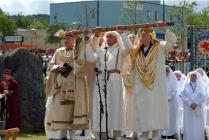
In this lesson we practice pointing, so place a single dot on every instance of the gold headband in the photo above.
(147, 30)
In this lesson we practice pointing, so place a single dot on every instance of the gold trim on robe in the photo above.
(68, 109)
(146, 66)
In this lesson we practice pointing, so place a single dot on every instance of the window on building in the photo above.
(148, 14)
(92, 13)
(178, 18)
(171, 17)
(156, 16)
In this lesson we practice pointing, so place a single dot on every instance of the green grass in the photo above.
(33, 136)
(40, 136)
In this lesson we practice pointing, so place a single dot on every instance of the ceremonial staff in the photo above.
(63, 34)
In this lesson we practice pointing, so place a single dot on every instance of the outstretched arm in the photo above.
(91, 49)
(127, 45)
(170, 40)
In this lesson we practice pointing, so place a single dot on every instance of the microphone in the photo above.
(96, 70)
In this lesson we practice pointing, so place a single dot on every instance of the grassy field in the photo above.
(34, 136)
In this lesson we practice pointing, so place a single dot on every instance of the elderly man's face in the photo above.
(145, 38)
(178, 76)
(193, 77)
(111, 40)
(69, 42)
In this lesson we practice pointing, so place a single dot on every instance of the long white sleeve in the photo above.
(91, 56)
(127, 44)
(172, 94)
(52, 64)
(185, 97)
(199, 99)
(94, 42)
(170, 40)
(173, 91)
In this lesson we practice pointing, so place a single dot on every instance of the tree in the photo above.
(199, 18)
(36, 24)
(1, 12)
(40, 21)
(7, 25)
(24, 22)
(184, 12)
(52, 29)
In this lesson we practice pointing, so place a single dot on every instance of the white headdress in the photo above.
(199, 82)
(181, 82)
(171, 73)
(204, 76)
(205, 80)
(114, 33)
(171, 79)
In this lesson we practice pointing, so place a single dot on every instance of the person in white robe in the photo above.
(67, 104)
(193, 98)
(52, 134)
(149, 80)
(129, 93)
(114, 50)
(181, 78)
(171, 83)
(205, 81)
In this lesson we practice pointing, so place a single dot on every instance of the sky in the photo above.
(28, 7)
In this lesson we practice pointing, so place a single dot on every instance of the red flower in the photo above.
(204, 46)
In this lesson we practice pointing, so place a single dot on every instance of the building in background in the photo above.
(109, 13)
(32, 39)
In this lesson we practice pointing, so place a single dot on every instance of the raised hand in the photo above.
(161, 25)
(120, 29)
(97, 31)
(193, 106)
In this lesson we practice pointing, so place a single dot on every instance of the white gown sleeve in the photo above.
(91, 56)
(173, 92)
(200, 99)
(52, 64)
(185, 97)
(170, 40)
(126, 43)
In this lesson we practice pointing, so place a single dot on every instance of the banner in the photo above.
(202, 41)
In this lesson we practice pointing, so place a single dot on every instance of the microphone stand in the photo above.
(105, 92)
(100, 103)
